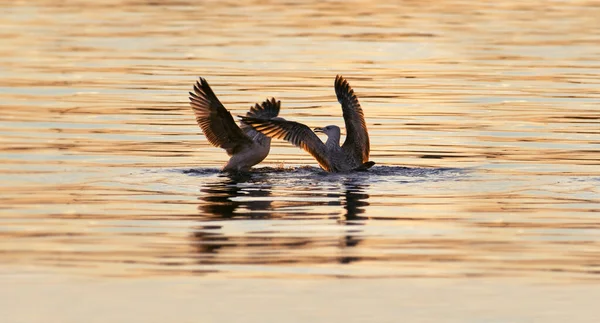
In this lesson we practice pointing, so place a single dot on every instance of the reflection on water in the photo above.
(248, 196)
(483, 123)
(223, 198)
(356, 200)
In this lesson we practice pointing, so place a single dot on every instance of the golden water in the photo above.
(484, 121)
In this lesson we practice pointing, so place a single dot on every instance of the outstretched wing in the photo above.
(297, 133)
(267, 110)
(357, 137)
(216, 122)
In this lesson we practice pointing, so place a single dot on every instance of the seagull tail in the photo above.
(365, 166)
(267, 110)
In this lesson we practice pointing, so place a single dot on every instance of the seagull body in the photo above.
(246, 146)
(352, 155)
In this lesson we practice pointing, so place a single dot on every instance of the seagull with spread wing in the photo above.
(352, 155)
(246, 146)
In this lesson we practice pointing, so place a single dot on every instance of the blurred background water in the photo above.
(484, 121)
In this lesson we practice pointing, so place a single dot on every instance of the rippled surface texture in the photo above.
(484, 122)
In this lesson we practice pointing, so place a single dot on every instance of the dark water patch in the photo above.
(416, 171)
(199, 171)
(311, 172)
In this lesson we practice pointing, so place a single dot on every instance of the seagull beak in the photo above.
(318, 130)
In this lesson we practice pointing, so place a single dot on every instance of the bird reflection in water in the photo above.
(249, 197)
(355, 202)
(223, 198)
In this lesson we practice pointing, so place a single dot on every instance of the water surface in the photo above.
(484, 123)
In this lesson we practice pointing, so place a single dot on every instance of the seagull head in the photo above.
(330, 131)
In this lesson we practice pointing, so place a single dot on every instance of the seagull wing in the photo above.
(297, 133)
(215, 121)
(357, 136)
(267, 110)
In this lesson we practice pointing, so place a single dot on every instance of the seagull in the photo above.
(352, 155)
(246, 146)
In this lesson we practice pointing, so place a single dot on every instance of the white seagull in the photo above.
(246, 146)
(352, 155)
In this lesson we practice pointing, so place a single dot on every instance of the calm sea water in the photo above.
(484, 122)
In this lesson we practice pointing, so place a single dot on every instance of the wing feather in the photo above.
(216, 122)
(357, 137)
(296, 133)
(266, 110)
